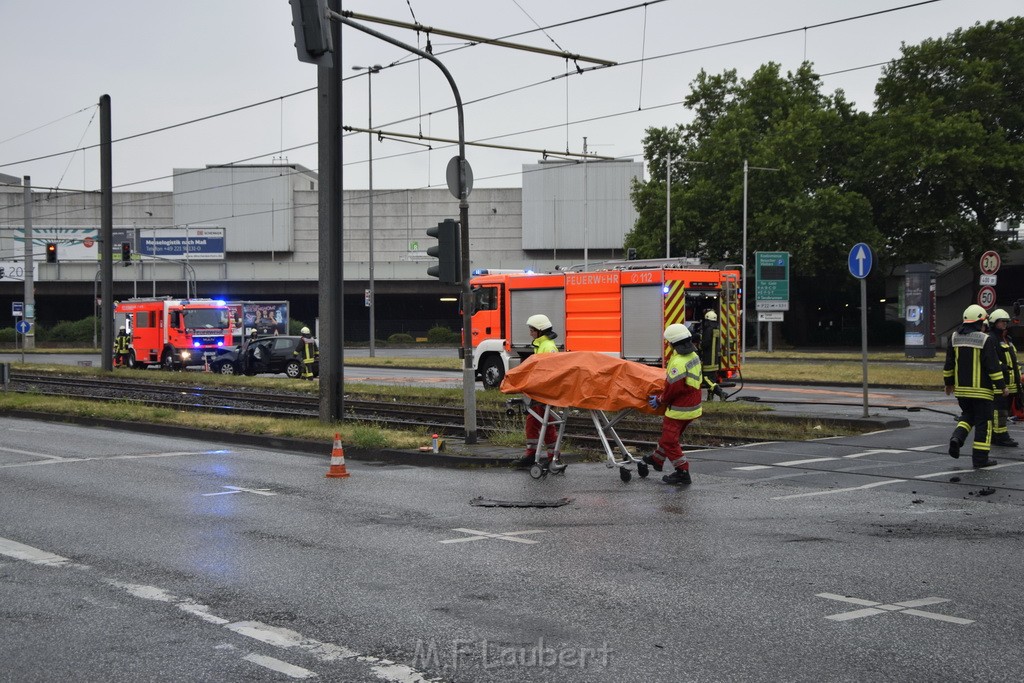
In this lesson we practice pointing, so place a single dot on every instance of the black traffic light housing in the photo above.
(313, 40)
(448, 252)
(126, 253)
(51, 252)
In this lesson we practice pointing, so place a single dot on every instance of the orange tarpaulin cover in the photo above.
(585, 379)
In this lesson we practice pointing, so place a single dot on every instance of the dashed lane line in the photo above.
(384, 669)
(830, 491)
(280, 667)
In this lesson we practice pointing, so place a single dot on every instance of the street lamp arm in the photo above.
(468, 376)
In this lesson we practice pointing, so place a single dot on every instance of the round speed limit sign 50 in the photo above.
(986, 297)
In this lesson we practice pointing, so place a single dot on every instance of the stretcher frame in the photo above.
(605, 428)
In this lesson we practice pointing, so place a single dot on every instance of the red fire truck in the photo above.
(174, 333)
(621, 310)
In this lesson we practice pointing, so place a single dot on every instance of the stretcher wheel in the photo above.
(558, 468)
(537, 471)
(642, 469)
(624, 474)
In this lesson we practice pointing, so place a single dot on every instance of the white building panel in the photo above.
(576, 205)
(254, 204)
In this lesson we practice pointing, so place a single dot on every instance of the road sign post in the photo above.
(23, 327)
(859, 262)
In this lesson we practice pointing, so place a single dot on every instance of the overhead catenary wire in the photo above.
(511, 90)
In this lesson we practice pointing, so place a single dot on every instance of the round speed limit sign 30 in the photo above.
(987, 297)
(990, 262)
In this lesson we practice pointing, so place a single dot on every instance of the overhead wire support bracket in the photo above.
(382, 134)
(477, 39)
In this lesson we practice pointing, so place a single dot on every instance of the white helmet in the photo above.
(974, 314)
(997, 315)
(304, 330)
(676, 332)
(539, 322)
(711, 315)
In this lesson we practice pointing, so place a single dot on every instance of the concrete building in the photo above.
(251, 233)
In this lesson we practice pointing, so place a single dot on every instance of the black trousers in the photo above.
(975, 413)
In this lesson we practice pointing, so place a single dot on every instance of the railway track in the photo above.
(639, 430)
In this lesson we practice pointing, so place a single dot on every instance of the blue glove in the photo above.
(653, 402)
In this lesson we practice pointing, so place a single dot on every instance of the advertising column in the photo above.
(919, 295)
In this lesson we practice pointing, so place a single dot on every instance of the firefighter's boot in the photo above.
(984, 462)
(1004, 439)
(525, 462)
(655, 465)
(679, 477)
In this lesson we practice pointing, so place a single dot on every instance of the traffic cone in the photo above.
(337, 460)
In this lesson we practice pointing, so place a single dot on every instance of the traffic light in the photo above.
(126, 253)
(448, 252)
(312, 26)
(51, 252)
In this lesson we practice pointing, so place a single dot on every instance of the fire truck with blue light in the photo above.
(174, 333)
(620, 309)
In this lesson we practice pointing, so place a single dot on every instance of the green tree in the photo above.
(943, 162)
(803, 206)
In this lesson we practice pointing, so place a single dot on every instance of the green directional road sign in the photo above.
(772, 280)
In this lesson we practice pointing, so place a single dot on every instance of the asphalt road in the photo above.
(128, 557)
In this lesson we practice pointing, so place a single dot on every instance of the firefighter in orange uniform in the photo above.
(543, 342)
(682, 399)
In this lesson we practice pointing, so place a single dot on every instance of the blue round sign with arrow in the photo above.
(860, 260)
(23, 326)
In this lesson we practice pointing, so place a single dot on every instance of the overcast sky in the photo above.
(172, 63)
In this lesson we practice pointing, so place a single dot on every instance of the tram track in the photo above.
(638, 430)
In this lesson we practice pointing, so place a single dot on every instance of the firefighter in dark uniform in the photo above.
(308, 350)
(711, 355)
(122, 347)
(999, 321)
(974, 375)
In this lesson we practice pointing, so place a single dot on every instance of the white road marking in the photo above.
(19, 551)
(790, 463)
(58, 460)
(239, 489)
(808, 461)
(481, 535)
(926, 448)
(828, 491)
(34, 454)
(953, 472)
(277, 665)
(384, 669)
(905, 607)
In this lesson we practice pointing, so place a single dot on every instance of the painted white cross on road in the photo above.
(239, 489)
(906, 607)
(481, 535)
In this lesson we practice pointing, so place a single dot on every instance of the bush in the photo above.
(441, 335)
(77, 332)
(7, 335)
(294, 327)
(400, 338)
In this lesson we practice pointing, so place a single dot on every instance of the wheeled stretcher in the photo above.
(591, 382)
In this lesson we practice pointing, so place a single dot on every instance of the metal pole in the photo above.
(746, 294)
(370, 70)
(29, 312)
(668, 206)
(864, 338)
(586, 257)
(106, 238)
(468, 377)
(331, 263)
